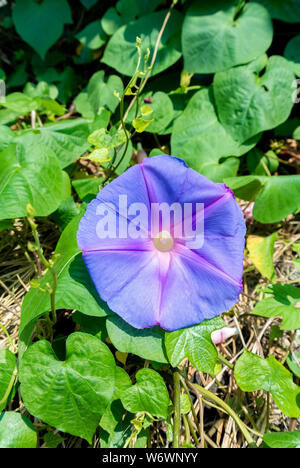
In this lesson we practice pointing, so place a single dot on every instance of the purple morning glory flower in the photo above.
(173, 276)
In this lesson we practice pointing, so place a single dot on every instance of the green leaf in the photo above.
(41, 90)
(41, 37)
(6, 137)
(275, 197)
(123, 160)
(92, 325)
(88, 3)
(99, 155)
(121, 433)
(101, 91)
(260, 163)
(5, 224)
(218, 171)
(200, 139)
(75, 289)
(70, 395)
(284, 10)
(88, 186)
(8, 116)
(16, 431)
(249, 102)
(140, 124)
(194, 343)
(111, 21)
(149, 394)
(92, 36)
(66, 211)
(83, 105)
(159, 113)
(102, 139)
(282, 439)
(52, 440)
(283, 303)
(146, 343)
(114, 413)
(261, 251)
(19, 103)
(293, 361)
(68, 84)
(213, 40)
(255, 373)
(134, 8)
(7, 375)
(185, 404)
(121, 54)
(292, 53)
(30, 173)
(67, 139)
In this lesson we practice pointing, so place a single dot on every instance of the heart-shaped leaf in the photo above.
(41, 37)
(198, 136)
(282, 303)
(275, 197)
(255, 373)
(249, 102)
(216, 36)
(70, 395)
(194, 343)
(287, 10)
(149, 394)
(67, 139)
(292, 54)
(92, 36)
(121, 54)
(16, 431)
(101, 91)
(30, 174)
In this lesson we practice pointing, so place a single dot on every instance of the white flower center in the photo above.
(163, 241)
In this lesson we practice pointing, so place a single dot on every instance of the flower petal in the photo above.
(129, 282)
(195, 290)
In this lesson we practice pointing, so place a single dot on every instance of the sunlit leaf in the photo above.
(255, 373)
(194, 343)
(282, 300)
(261, 251)
(121, 54)
(72, 394)
(215, 37)
(149, 394)
(16, 431)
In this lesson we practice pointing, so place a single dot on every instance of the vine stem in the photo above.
(167, 17)
(224, 361)
(176, 421)
(200, 391)
(7, 334)
(9, 387)
(46, 263)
